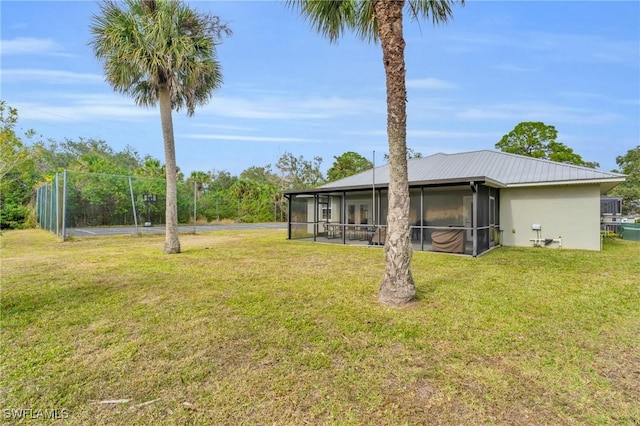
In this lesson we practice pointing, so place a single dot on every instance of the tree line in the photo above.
(254, 195)
(99, 195)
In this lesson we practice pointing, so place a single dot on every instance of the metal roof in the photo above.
(496, 168)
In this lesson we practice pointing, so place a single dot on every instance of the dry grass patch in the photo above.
(249, 328)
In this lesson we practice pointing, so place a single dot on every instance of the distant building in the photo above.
(610, 214)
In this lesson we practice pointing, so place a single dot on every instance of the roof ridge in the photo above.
(460, 153)
(546, 160)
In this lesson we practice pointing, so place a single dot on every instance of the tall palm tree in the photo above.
(160, 52)
(381, 20)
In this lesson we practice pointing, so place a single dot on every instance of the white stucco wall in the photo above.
(572, 212)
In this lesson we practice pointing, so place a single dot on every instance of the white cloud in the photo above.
(630, 101)
(547, 112)
(335, 106)
(462, 43)
(285, 108)
(49, 76)
(556, 47)
(30, 46)
(517, 68)
(83, 108)
(243, 138)
(449, 134)
(65, 106)
(432, 134)
(429, 83)
(273, 109)
(585, 47)
(225, 127)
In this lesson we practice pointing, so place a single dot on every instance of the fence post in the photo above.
(38, 206)
(45, 199)
(57, 204)
(133, 206)
(64, 204)
(51, 208)
(195, 205)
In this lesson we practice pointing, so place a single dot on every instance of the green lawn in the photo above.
(249, 328)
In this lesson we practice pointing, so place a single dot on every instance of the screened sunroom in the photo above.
(456, 217)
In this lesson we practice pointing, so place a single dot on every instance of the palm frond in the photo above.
(366, 26)
(146, 44)
(330, 18)
(438, 11)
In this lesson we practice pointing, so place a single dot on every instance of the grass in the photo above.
(249, 328)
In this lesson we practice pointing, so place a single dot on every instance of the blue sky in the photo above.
(574, 65)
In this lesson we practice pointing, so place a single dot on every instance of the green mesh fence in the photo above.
(81, 200)
(630, 231)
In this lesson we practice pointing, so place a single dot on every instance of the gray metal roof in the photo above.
(498, 169)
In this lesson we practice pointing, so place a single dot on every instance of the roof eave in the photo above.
(440, 182)
(605, 184)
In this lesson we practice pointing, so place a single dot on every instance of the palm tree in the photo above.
(151, 168)
(160, 52)
(381, 20)
(201, 180)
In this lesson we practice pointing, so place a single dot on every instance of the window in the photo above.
(326, 213)
(351, 213)
(364, 214)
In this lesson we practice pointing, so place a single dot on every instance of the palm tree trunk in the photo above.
(171, 242)
(397, 287)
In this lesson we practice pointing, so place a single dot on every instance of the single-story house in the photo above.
(463, 203)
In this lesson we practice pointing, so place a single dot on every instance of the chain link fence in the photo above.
(80, 200)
